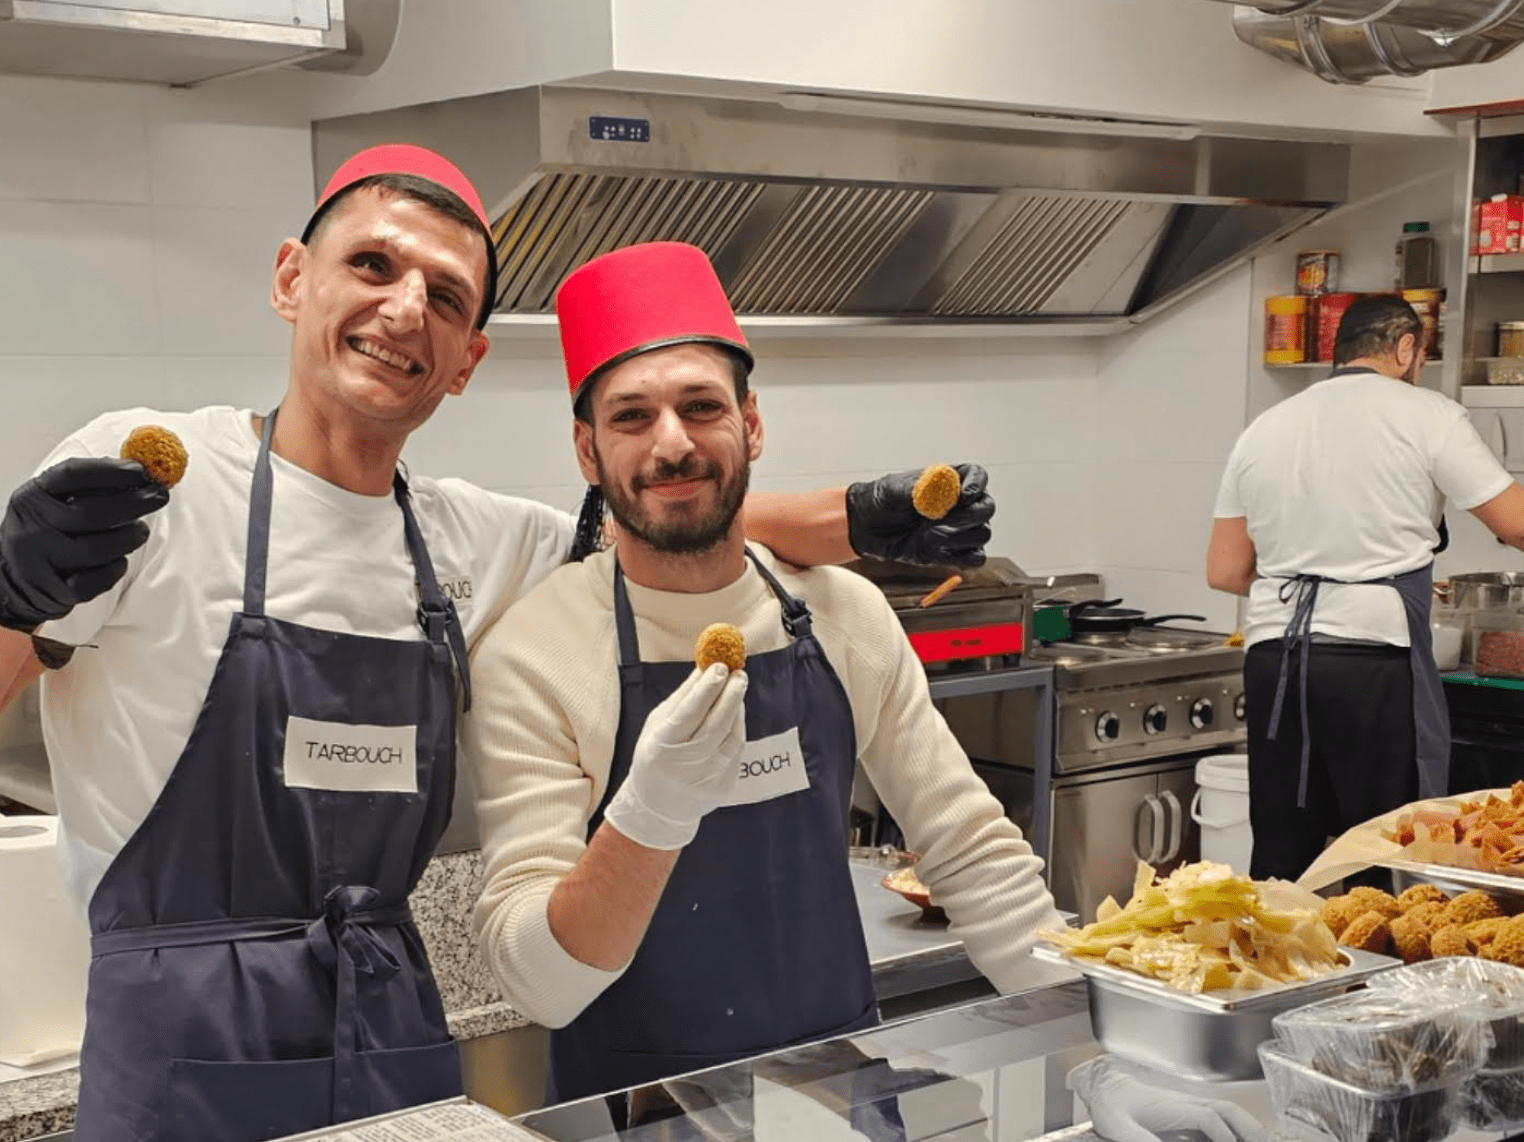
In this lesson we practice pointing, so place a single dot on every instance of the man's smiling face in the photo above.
(383, 303)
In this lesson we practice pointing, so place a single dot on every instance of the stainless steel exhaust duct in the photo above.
(1352, 41)
(828, 211)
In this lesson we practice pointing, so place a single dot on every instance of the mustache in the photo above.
(690, 469)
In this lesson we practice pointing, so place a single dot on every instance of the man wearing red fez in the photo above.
(252, 747)
(665, 845)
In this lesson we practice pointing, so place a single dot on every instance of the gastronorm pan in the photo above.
(1211, 1035)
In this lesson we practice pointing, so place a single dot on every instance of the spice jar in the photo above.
(1511, 338)
(1285, 330)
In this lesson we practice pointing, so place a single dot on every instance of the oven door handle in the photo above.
(1155, 809)
(1176, 824)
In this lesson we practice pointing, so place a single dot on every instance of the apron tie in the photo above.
(1304, 589)
(346, 923)
(1431, 719)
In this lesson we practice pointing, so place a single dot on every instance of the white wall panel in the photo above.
(213, 270)
(72, 142)
(79, 278)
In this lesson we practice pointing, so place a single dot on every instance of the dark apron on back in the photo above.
(255, 970)
(756, 943)
(1431, 716)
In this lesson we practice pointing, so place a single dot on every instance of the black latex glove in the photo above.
(883, 523)
(66, 536)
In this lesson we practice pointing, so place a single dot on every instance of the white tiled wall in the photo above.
(1170, 405)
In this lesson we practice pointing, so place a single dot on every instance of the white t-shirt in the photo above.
(116, 721)
(1348, 480)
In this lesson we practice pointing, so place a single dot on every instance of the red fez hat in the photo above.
(420, 162)
(640, 298)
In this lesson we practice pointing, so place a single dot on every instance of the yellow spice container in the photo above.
(1285, 330)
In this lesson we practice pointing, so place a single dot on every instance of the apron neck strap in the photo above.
(796, 616)
(436, 614)
(257, 559)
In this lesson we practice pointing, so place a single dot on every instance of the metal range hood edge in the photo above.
(845, 222)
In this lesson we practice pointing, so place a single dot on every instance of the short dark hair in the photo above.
(740, 376)
(432, 195)
(1373, 327)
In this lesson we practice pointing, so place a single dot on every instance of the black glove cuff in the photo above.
(14, 613)
(859, 536)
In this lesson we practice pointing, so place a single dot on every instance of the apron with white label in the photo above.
(255, 969)
(756, 942)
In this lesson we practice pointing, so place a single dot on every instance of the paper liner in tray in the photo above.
(1358, 966)
(1363, 847)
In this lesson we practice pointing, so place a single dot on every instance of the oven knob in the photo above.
(1238, 707)
(1108, 727)
(1202, 713)
(1155, 720)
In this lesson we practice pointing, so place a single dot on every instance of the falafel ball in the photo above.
(1375, 900)
(159, 450)
(1370, 932)
(1422, 894)
(1430, 914)
(1508, 945)
(1451, 940)
(1410, 938)
(1483, 932)
(720, 642)
(1339, 912)
(1469, 907)
(936, 492)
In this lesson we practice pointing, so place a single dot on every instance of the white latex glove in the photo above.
(1122, 1109)
(687, 761)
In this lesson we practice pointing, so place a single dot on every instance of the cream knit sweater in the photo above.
(540, 738)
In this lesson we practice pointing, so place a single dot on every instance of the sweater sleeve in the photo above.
(534, 797)
(976, 863)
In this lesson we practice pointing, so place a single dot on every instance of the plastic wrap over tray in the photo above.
(1494, 1100)
(1496, 988)
(1384, 1041)
(1302, 1096)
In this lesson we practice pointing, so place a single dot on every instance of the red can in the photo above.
(1317, 272)
(1328, 311)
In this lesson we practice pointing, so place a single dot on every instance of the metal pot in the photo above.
(1487, 590)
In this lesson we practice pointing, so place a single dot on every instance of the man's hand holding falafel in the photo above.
(66, 535)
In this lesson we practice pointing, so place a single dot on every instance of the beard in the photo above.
(703, 531)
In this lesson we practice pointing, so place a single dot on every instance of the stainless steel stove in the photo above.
(1162, 691)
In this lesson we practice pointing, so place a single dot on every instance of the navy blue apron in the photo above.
(255, 971)
(756, 943)
(1431, 714)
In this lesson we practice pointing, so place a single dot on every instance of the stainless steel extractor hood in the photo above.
(817, 208)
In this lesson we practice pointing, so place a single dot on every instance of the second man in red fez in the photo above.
(667, 880)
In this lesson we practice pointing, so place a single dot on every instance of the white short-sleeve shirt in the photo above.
(1348, 480)
(116, 721)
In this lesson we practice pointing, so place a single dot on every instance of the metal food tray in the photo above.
(1212, 1036)
(1361, 964)
(1462, 878)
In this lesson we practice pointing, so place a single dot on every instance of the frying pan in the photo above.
(1103, 616)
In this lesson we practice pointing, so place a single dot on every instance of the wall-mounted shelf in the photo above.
(1497, 264)
(1327, 366)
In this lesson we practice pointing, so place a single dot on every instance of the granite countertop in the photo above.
(38, 1104)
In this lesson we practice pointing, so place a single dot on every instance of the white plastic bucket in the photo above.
(1221, 808)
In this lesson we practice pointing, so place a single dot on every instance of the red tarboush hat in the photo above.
(640, 298)
(404, 158)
